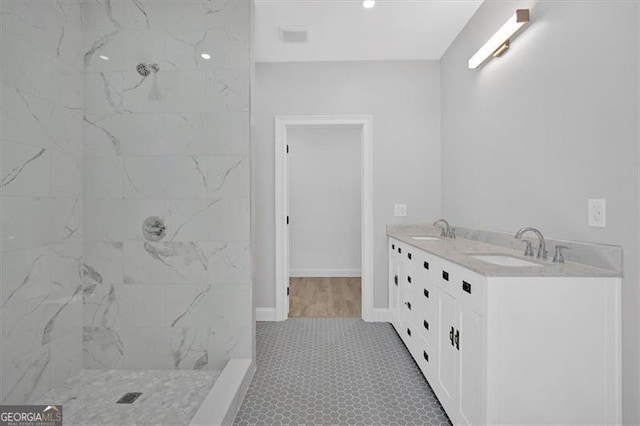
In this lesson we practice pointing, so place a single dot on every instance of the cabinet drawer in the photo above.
(407, 309)
(425, 357)
(426, 265)
(408, 281)
(425, 322)
(410, 254)
(394, 246)
(398, 249)
(424, 295)
(446, 277)
(409, 337)
(471, 289)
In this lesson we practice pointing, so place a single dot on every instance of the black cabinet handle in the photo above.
(409, 279)
(399, 250)
(425, 324)
(466, 287)
(393, 246)
(409, 256)
(395, 279)
(408, 305)
(445, 275)
(451, 336)
(426, 293)
(426, 265)
(425, 355)
(409, 332)
(458, 339)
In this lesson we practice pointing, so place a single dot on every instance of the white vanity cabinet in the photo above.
(394, 284)
(461, 331)
(509, 350)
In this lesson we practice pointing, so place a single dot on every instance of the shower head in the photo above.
(146, 69)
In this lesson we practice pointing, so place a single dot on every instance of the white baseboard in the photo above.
(265, 314)
(379, 315)
(269, 314)
(325, 273)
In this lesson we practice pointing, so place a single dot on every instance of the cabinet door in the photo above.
(447, 352)
(470, 371)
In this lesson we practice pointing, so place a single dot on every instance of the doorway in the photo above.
(286, 128)
(324, 221)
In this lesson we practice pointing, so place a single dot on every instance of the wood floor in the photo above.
(325, 297)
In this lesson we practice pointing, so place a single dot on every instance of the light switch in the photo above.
(597, 211)
(400, 210)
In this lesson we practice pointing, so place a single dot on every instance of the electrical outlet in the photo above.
(597, 211)
(400, 210)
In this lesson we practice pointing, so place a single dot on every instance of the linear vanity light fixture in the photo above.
(499, 42)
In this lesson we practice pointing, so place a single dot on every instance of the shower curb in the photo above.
(223, 400)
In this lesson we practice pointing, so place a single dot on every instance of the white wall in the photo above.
(184, 302)
(528, 138)
(40, 197)
(324, 201)
(404, 99)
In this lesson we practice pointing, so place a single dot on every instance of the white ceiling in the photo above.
(342, 30)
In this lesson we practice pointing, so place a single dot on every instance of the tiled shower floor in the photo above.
(327, 371)
(169, 397)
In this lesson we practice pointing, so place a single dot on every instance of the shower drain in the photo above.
(129, 398)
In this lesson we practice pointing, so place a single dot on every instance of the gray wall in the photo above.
(324, 201)
(404, 100)
(528, 138)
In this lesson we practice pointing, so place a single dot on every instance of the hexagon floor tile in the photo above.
(326, 371)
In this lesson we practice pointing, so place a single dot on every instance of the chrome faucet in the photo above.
(446, 232)
(542, 248)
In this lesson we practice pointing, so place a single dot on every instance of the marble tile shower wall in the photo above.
(174, 144)
(40, 196)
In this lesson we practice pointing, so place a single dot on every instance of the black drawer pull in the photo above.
(425, 324)
(409, 332)
(426, 265)
(445, 275)
(408, 305)
(451, 336)
(425, 355)
(409, 256)
(466, 287)
(399, 250)
(458, 339)
(426, 293)
(393, 246)
(409, 279)
(395, 279)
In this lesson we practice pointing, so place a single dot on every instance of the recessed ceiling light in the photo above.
(368, 4)
(205, 56)
(103, 57)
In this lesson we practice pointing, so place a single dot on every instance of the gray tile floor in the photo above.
(336, 371)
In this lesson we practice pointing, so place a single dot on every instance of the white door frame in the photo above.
(282, 124)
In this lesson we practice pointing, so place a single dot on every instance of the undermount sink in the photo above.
(504, 260)
(425, 238)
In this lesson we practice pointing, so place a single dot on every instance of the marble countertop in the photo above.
(459, 251)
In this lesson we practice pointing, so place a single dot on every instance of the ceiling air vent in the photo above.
(294, 34)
